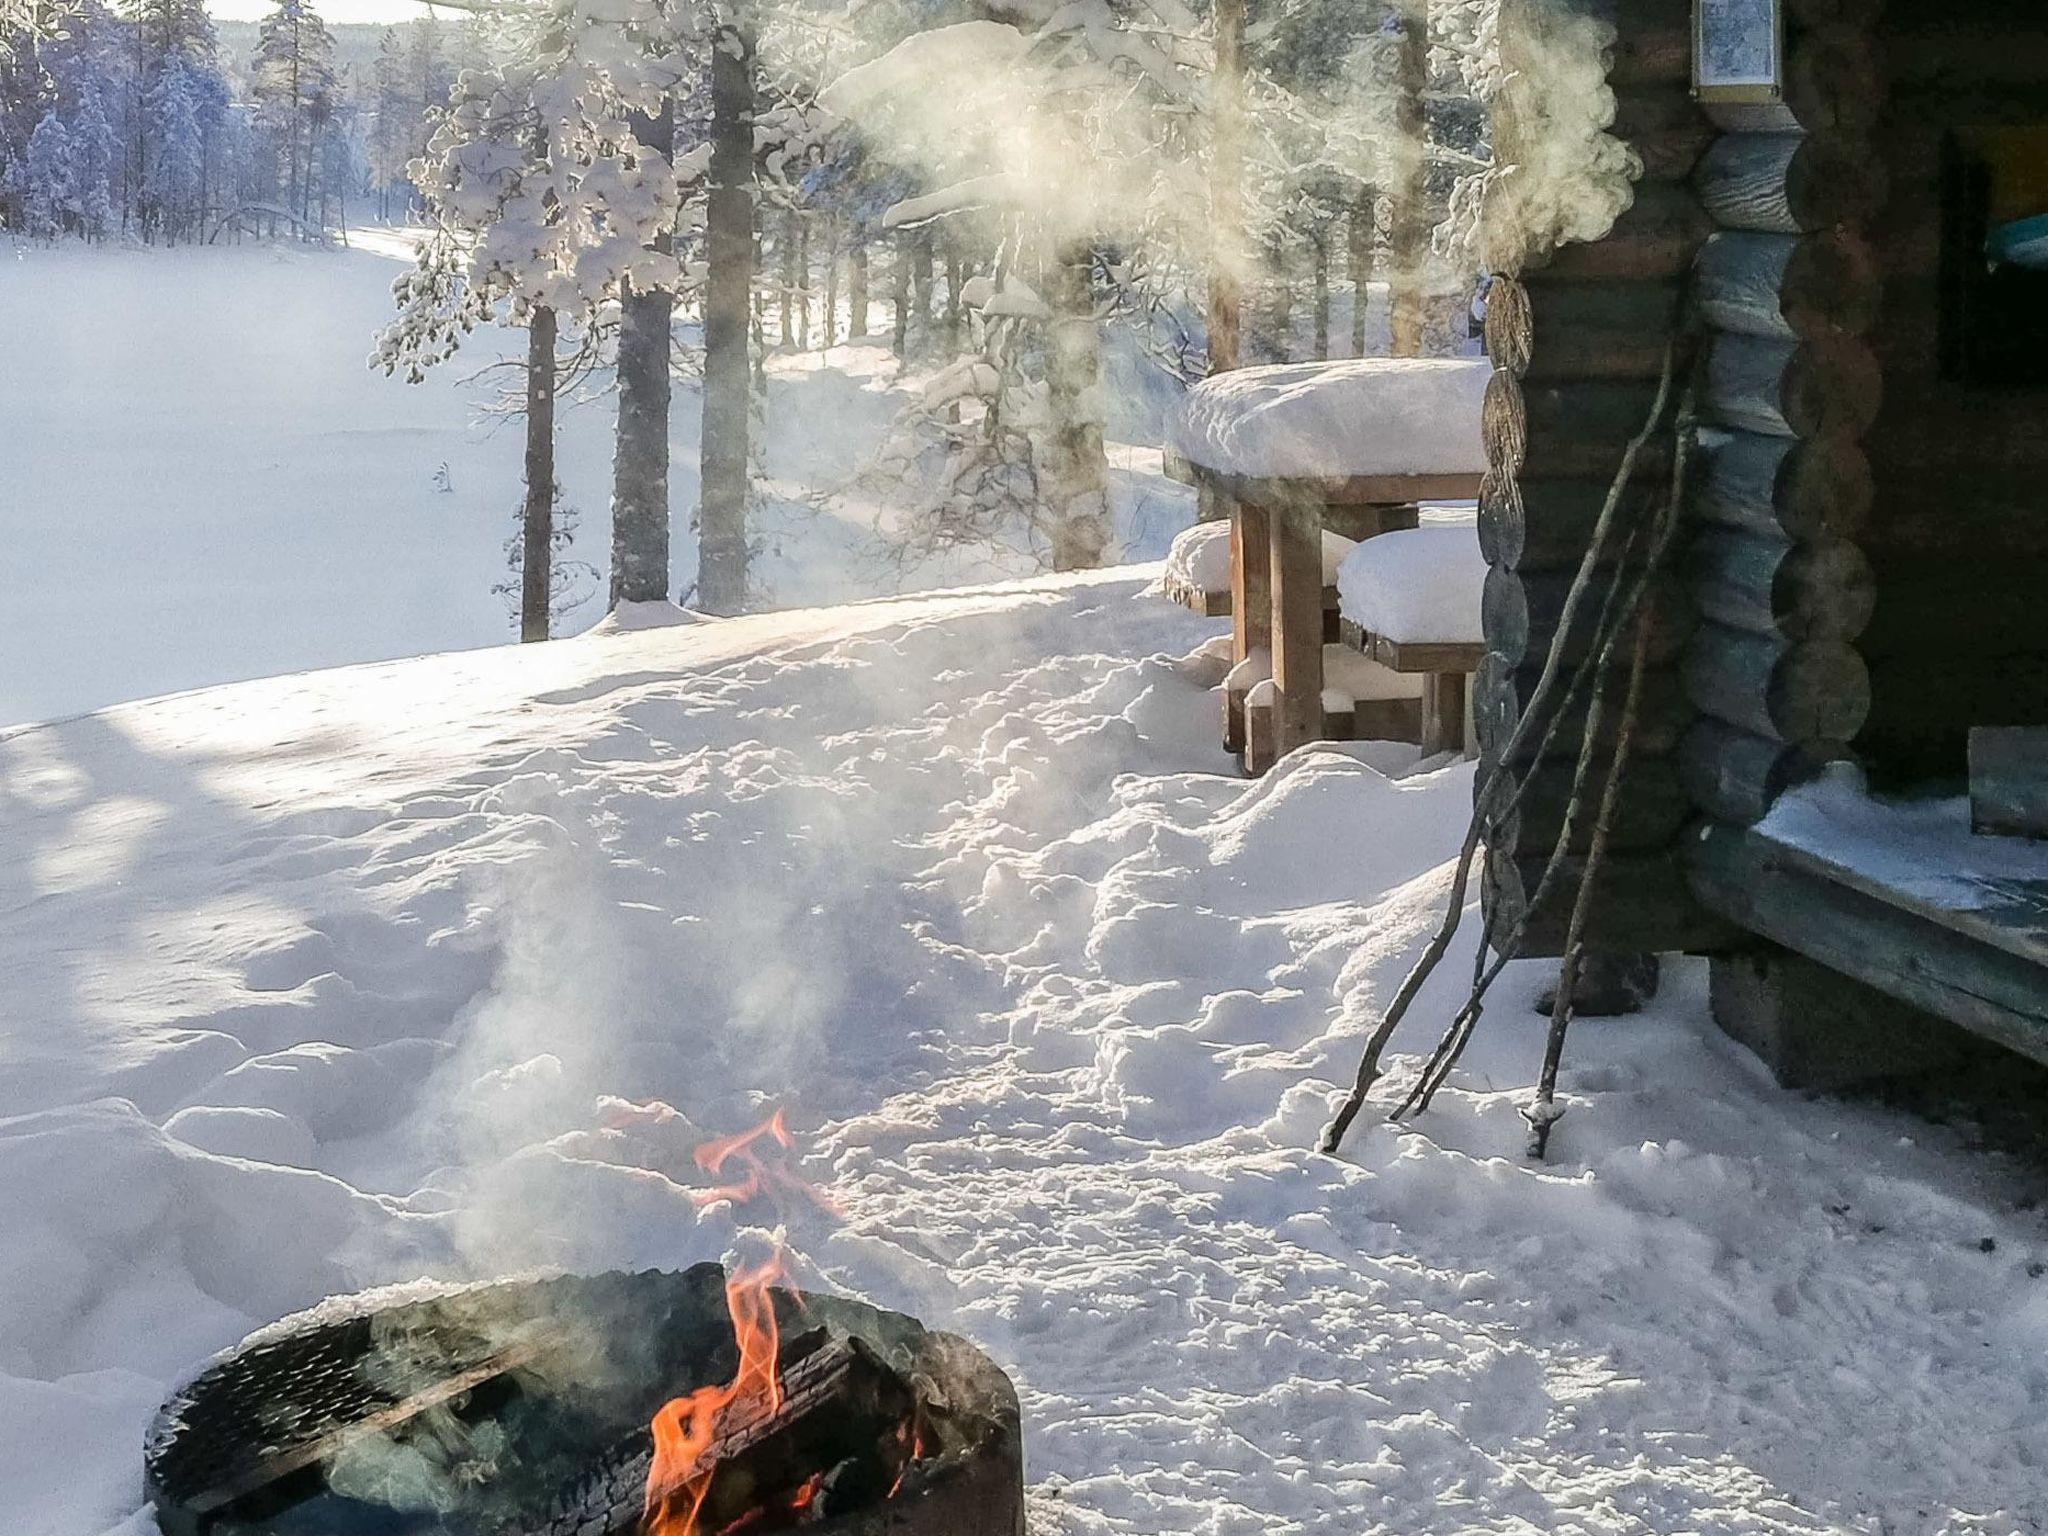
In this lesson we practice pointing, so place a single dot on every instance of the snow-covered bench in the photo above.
(1197, 574)
(1353, 446)
(1410, 600)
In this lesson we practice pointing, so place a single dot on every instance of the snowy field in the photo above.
(202, 481)
(443, 967)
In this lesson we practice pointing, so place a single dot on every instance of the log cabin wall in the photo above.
(1786, 292)
(1578, 344)
(1955, 536)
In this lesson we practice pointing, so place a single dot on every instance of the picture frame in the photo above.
(1738, 50)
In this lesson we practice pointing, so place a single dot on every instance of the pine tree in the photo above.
(393, 130)
(49, 194)
(292, 85)
(175, 183)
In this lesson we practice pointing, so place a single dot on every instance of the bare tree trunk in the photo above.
(953, 315)
(1226, 190)
(640, 460)
(1408, 218)
(857, 288)
(537, 530)
(921, 286)
(788, 315)
(831, 282)
(1320, 250)
(1077, 476)
(803, 284)
(899, 279)
(1360, 250)
(1279, 327)
(730, 251)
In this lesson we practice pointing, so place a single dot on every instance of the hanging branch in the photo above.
(1489, 788)
(1544, 1112)
(1612, 623)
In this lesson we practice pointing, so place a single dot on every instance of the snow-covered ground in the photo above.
(201, 480)
(444, 966)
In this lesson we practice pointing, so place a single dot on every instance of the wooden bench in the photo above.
(1446, 681)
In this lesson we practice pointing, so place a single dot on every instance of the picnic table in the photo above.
(1294, 451)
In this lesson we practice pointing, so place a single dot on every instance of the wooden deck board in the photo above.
(1984, 968)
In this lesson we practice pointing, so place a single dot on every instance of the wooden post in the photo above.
(1443, 712)
(1251, 606)
(1297, 573)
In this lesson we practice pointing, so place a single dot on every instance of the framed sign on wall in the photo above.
(1738, 50)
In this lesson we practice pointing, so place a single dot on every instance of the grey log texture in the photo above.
(1814, 691)
(1788, 286)
(1789, 183)
(1736, 775)
(1815, 489)
(1791, 388)
(1770, 586)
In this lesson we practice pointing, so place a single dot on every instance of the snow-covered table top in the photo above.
(1416, 586)
(1359, 417)
(1199, 559)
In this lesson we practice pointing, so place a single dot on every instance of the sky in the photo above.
(331, 11)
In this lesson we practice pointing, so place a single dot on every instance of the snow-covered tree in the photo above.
(292, 85)
(49, 195)
(177, 108)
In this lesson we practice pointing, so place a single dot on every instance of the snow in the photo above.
(1361, 416)
(440, 968)
(204, 482)
(1921, 848)
(1416, 585)
(1199, 557)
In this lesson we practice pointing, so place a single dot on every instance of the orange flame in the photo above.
(686, 1428)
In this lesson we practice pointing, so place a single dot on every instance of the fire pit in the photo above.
(656, 1404)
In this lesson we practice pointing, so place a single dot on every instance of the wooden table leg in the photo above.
(1250, 607)
(1297, 609)
(1443, 712)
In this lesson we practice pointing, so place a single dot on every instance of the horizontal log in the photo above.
(1651, 808)
(1501, 693)
(1556, 331)
(1927, 426)
(1736, 776)
(1520, 612)
(1772, 586)
(1814, 691)
(1655, 240)
(1547, 525)
(1789, 183)
(1790, 389)
(1769, 889)
(1812, 489)
(1788, 286)
(1641, 902)
(1548, 430)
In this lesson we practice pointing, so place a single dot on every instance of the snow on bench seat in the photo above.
(1416, 586)
(1364, 416)
(1199, 561)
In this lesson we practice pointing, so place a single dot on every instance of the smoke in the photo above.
(1558, 175)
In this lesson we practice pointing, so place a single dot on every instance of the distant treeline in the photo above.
(150, 121)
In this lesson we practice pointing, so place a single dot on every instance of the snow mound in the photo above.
(433, 971)
(627, 617)
(1363, 416)
(1417, 585)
